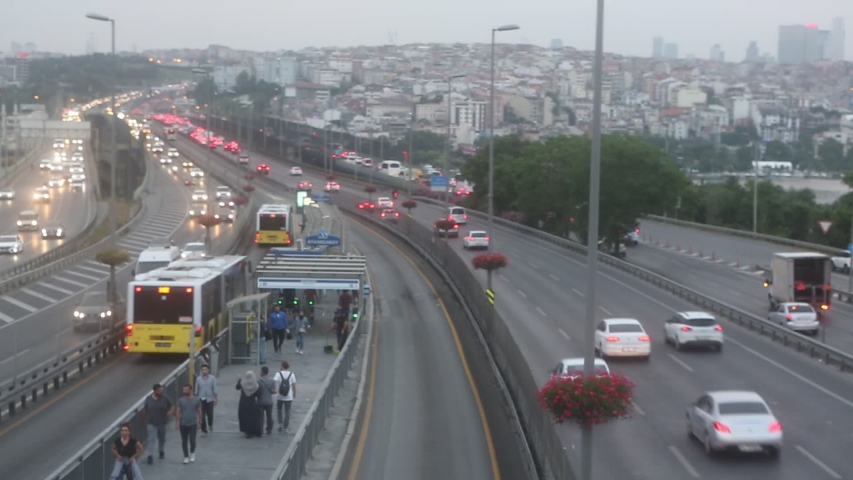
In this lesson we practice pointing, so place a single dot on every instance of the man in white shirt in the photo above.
(285, 391)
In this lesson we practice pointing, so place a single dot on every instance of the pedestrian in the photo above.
(278, 325)
(248, 413)
(301, 324)
(207, 391)
(266, 387)
(157, 410)
(186, 421)
(126, 450)
(341, 327)
(285, 388)
(345, 301)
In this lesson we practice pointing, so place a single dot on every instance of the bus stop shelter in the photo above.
(292, 270)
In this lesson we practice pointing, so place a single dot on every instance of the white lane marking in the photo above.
(90, 269)
(64, 279)
(522, 294)
(37, 294)
(606, 311)
(94, 264)
(21, 304)
(94, 279)
(556, 278)
(54, 287)
(502, 277)
(541, 312)
(817, 462)
(579, 292)
(680, 362)
(22, 352)
(533, 265)
(563, 333)
(638, 409)
(131, 241)
(6, 318)
(683, 461)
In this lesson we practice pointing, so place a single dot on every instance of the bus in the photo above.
(189, 297)
(273, 225)
(171, 134)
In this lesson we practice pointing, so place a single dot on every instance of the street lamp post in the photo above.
(592, 234)
(447, 146)
(103, 18)
(504, 28)
(204, 73)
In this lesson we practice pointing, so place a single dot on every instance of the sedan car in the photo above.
(632, 239)
(44, 165)
(165, 161)
(389, 214)
(263, 169)
(223, 192)
(95, 312)
(76, 169)
(367, 207)
(227, 202)
(225, 214)
(196, 172)
(385, 202)
(734, 420)
(441, 231)
(41, 194)
(53, 230)
(622, 337)
(56, 182)
(173, 152)
(296, 171)
(198, 210)
(187, 164)
(78, 177)
(7, 194)
(305, 186)
(799, 317)
(693, 329)
(77, 186)
(243, 159)
(573, 367)
(333, 187)
(11, 244)
(476, 239)
(199, 195)
(193, 250)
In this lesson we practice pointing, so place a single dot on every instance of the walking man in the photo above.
(278, 325)
(208, 393)
(266, 387)
(186, 421)
(156, 412)
(285, 388)
(345, 302)
(301, 324)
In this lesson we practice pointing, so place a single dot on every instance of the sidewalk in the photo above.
(225, 453)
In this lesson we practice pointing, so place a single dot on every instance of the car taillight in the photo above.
(718, 328)
(125, 347)
(612, 339)
(824, 307)
(129, 330)
(465, 217)
(456, 226)
(686, 329)
(775, 427)
(257, 237)
(644, 338)
(636, 230)
(382, 214)
(721, 428)
(789, 317)
(486, 238)
(361, 207)
(396, 214)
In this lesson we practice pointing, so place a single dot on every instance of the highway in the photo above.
(70, 209)
(541, 296)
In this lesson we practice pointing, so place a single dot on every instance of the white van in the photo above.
(457, 214)
(391, 168)
(156, 257)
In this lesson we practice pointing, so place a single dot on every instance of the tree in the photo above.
(112, 257)
(370, 189)
(205, 91)
(208, 221)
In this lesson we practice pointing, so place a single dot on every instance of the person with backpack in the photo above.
(285, 388)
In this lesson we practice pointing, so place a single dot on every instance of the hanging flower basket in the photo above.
(248, 188)
(589, 400)
(517, 217)
(409, 205)
(490, 261)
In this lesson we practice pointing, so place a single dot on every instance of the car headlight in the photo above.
(59, 232)
(20, 223)
(34, 223)
(231, 216)
(109, 313)
(44, 232)
(76, 314)
(216, 216)
(103, 315)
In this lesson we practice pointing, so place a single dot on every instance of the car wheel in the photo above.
(666, 339)
(773, 452)
(846, 269)
(812, 333)
(709, 450)
(678, 345)
(719, 347)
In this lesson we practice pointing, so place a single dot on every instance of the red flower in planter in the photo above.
(490, 261)
(588, 400)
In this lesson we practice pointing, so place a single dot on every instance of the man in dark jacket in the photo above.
(266, 387)
(278, 326)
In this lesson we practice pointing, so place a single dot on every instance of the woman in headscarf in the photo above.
(249, 413)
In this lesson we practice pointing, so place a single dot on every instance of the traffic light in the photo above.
(280, 301)
(295, 303)
(311, 302)
(355, 314)
(395, 194)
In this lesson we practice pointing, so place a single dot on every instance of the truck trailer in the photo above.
(800, 277)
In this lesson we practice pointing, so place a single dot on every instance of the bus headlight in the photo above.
(103, 315)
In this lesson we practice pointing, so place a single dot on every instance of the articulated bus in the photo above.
(273, 225)
(171, 134)
(189, 297)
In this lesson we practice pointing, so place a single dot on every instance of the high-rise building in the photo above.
(670, 50)
(30, 47)
(657, 47)
(556, 43)
(801, 43)
(752, 53)
(22, 67)
(835, 43)
(717, 54)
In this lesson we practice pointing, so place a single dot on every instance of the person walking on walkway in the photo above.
(345, 301)
(126, 450)
(207, 391)
(285, 388)
(278, 325)
(248, 412)
(301, 324)
(157, 410)
(266, 387)
(186, 421)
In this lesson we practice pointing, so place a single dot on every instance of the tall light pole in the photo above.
(206, 74)
(447, 147)
(504, 28)
(592, 234)
(103, 18)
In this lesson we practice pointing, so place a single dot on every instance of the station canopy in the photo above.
(286, 268)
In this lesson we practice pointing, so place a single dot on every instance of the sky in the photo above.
(268, 25)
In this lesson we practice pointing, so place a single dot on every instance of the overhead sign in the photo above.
(825, 225)
(850, 248)
(273, 283)
(438, 181)
(322, 239)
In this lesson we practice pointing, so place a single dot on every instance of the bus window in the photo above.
(152, 306)
(273, 222)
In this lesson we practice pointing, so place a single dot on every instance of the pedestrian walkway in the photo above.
(226, 453)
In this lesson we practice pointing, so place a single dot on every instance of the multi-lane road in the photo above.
(541, 294)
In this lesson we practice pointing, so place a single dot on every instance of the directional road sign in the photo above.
(438, 181)
(825, 225)
(322, 239)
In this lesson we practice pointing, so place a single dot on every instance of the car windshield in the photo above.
(625, 328)
(700, 322)
(800, 308)
(8, 239)
(194, 247)
(28, 216)
(94, 300)
(478, 234)
(742, 408)
(579, 368)
(457, 211)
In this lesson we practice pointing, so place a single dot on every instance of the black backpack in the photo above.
(284, 386)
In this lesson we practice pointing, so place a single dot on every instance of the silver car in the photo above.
(799, 317)
(96, 313)
(737, 421)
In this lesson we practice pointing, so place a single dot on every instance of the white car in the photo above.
(476, 239)
(187, 164)
(44, 165)
(198, 210)
(458, 215)
(74, 170)
(573, 367)
(56, 167)
(243, 159)
(622, 337)
(172, 152)
(56, 182)
(165, 161)
(196, 172)
(841, 262)
(227, 203)
(225, 214)
(693, 329)
(384, 202)
(333, 187)
(78, 177)
(7, 194)
(799, 317)
(296, 171)
(41, 194)
(199, 195)
(223, 192)
(11, 244)
(737, 421)
(193, 250)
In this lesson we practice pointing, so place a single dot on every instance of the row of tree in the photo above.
(549, 184)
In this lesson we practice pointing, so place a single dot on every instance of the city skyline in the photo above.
(629, 27)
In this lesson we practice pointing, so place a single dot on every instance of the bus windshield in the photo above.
(273, 222)
(151, 306)
(145, 267)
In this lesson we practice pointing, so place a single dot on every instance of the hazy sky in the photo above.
(630, 25)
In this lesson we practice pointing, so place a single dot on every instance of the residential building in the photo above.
(687, 97)
(469, 112)
(717, 54)
(281, 71)
(22, 67)
(657, 47)
(308, 91)
(835, 44)
(752, 53)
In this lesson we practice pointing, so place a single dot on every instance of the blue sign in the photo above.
(366, 291)
(322, 239)
(850, 248)
(438, 181)
(322, 197)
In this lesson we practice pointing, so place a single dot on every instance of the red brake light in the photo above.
(138, 289)
(456, 226)
(125, 347)
(721, 428)
(189, 290)
(129, 330)
(198, 331)
(396, 214)
(686, 329)
(382, 214)
(486, 239)
(775, 427)
(465, 217)
(612, 339)
(644, 338)
(637, 230)
(789, 317)
(718, 328)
